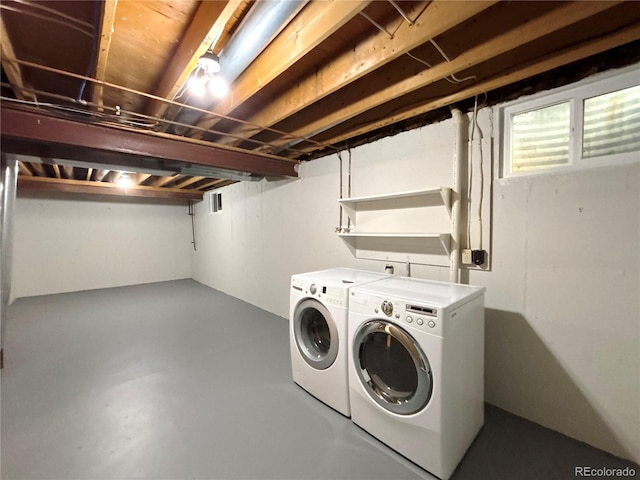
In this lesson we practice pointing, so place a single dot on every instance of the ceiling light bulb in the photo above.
(218, 86)
(197, 84)
(124, 181)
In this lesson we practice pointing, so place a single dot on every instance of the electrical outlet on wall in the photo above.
(478, 257)
(466, 257)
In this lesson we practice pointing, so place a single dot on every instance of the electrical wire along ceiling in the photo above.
(181, 97)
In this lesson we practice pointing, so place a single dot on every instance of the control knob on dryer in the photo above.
(313, 289)
(387, 308)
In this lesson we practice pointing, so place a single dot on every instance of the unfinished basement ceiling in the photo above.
(94, 88)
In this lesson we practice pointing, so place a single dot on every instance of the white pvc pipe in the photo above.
(456, 195)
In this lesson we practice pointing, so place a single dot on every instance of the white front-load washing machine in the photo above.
(318, 332)
(416, 367)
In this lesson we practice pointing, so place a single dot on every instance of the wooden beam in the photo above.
(33, 133)
(115, 175)
(89, 172)
(314, 24)
(24, 170)
(109, 8)
(366, 57)
(141, 178)
(162, 181)
(12, 69)
(211, 184)
(101, 188)
(38, 169)
(344, 107)
(188, 181)
(205, 29)
(534, 67)
(101, 174)
(68, 171)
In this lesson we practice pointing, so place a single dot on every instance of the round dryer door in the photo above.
(392, 367)
(316, 334)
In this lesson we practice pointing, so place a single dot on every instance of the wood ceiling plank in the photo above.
(162, 181)
(101, 174)
(68, 171)
(12, 69)
(366, 57)
(212, 183)
(140, 178)
(115, 175)
(24, 169)
(33, 133)
(314, 24)
(188, 181)
(101, 188)
(109, 8)
(546, 63)
(205, 29)
(38, 169)
(344, 107)
(146, 35)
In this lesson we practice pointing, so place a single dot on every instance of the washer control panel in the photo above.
(327, 294)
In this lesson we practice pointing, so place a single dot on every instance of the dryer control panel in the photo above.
(422, 317)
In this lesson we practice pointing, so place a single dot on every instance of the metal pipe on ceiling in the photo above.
(262, 24)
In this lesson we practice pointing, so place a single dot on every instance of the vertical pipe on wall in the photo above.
(7, 206)
(456, 196)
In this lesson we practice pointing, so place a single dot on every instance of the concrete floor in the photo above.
(176, 381)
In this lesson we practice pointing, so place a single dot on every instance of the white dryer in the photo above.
(416, 367)
(318, 332)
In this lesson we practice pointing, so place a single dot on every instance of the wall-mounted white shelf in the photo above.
(409, 226)
(443, 238)
(443, 193)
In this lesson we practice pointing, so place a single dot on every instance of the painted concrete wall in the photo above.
(65, 244)
(563, 318)
(563, 313)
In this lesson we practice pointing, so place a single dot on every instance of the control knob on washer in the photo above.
(313, 289)
(387, 308)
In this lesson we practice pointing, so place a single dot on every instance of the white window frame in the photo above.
(215, 203)
(575, 94)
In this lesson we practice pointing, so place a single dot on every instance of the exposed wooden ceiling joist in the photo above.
(102, 188)
(312, 26)
(12, 69)
(350, 104)
(369, 55)
(104, 45)
(206, 27)
(524, 71)
(337, 72)
(41, 135)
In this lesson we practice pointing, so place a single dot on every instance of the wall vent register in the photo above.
(215, 202)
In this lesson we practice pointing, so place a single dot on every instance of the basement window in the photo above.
(215, 202)
(593, 124)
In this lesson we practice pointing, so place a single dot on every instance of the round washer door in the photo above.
(392, 367)
(316, 334)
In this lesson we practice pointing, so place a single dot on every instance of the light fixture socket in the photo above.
(209, 62)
